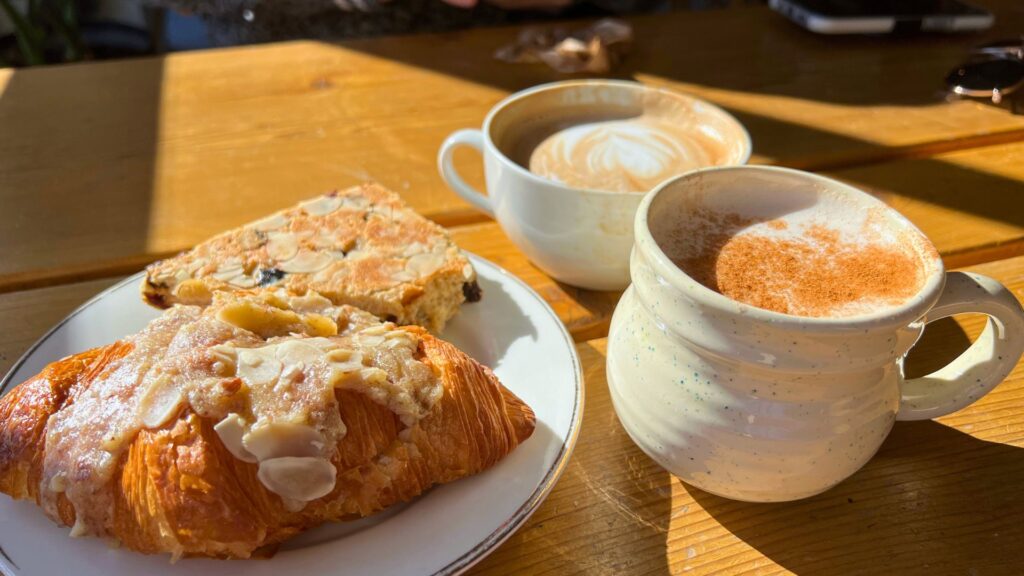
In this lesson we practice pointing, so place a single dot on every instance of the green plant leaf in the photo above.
(30, 38)
(61, 17)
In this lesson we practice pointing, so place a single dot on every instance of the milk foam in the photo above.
(700, 231)
(765, 209)
(631, 155)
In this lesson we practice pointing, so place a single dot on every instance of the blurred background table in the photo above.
(107, 166)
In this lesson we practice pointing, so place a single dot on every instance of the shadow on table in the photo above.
(78, 165)
(931, 179)
(703, 48)
(933, 501)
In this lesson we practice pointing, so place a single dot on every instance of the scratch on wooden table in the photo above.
(643, 481)
(680, 512)
(612, 496)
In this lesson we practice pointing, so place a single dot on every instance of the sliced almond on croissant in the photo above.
(230, 431)
(160, 402)
(278, 439)
(258, 367)
(298, 478)
(297, 352)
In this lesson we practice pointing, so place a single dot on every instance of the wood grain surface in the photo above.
(26, 316)
(105, 166)
(970, 203)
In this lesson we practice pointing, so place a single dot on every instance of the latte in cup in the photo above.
(826, 259)
(620, 146)
(566, 165)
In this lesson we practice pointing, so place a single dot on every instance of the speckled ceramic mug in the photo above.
(762, 406)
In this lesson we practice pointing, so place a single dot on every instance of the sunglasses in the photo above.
(992, 71)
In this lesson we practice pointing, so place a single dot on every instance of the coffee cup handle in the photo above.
(988, 361)
(473, 139)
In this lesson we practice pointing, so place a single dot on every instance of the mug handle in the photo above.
(473, 139)
(984, 364)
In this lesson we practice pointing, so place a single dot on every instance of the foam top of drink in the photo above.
(819, 256)
(628, 155)
(614, 138)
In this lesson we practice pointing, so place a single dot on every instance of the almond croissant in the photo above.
(222, 432)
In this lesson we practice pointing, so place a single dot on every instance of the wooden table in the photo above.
(107, 166)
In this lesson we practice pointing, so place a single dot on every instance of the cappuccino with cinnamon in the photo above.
(802, 253)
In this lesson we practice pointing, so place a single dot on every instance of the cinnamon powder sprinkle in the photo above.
(813, 274)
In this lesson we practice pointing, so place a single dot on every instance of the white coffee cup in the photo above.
(578, 236)
(761, 406)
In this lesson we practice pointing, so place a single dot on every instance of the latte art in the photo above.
(632, 155)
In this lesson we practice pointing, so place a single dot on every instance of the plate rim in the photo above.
(487, 544)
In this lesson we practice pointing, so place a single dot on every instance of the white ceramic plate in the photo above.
(445, 531)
